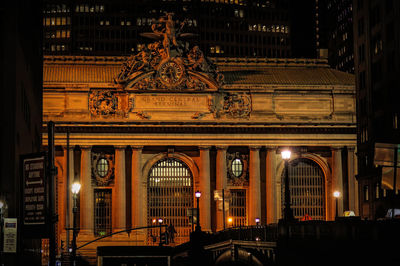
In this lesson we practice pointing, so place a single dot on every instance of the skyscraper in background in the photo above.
(338, 15)
(230, 28)
(377, 57)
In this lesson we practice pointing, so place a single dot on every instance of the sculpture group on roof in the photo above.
(199, 72)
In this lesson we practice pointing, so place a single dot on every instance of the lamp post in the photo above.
(76, 186)
(336, 195)
(160, 221)
(257, 220)
(198, 195)
(287, 212)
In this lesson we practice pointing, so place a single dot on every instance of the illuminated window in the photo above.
(102, 212)
(307, 189)
(170, 195)
(102, 167)
(237, 167)
(237, 207)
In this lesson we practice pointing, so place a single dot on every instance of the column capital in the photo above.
(221, 147)
(71, 147)
(120, 147)
(135, 147)
(85, 147)
(271, 148)
(351, 148)
(254, 147)
(336, 148)
(204, 147)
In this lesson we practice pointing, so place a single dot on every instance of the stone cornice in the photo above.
(203, 129)
(223, 61)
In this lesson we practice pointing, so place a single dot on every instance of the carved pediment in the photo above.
(168, 64)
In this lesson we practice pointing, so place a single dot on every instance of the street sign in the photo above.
(10, 235)
(34, 191)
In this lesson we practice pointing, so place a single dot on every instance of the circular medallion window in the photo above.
(102, 167)
(237, 167)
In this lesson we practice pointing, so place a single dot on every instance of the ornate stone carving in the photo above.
(236, 177)
(237, 105)
(232, 105)
(109, 103)
(102, 102)
(168, 64)
(103, 168)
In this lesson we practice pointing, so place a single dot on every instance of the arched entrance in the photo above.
(170, 195)
(307, 189)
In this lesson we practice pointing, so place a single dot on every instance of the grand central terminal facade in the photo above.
(143, 133)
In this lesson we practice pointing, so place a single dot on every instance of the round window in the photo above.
(237, 167)
(102, 167)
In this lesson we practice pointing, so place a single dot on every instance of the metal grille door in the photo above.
(102, 212)
(170, 194)
(237, 207)
(307, 189)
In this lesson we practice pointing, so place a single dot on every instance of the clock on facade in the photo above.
(171, 73)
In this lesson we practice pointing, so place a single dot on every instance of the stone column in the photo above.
(221, 181)
(337, 180)
(352, 179)
(138, 191)
(254, 186)
(204, 187)
(119, 193)
(86, 193)
(270, 185)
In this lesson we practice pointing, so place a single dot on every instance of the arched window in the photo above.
(307, 189)
(170, 195)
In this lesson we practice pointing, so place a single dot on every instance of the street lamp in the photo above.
(230, 221)
(160, 221)
(198, 195)
(287, 212)
(257, 221)
(76, 186)
(336, 195)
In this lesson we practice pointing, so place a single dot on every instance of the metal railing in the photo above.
(267, 233)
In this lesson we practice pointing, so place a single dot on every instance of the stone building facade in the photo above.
(142, 134)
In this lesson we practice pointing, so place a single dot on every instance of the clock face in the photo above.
(171, 73)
